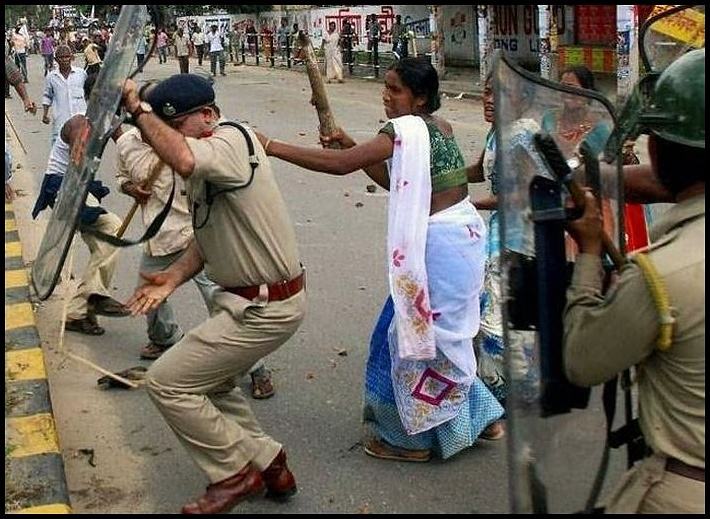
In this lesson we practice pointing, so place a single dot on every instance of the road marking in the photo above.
(25, 365)
(10, 225)
(18, 315)
(31, 435)
(45, 509)
(16, 278)
(13, 249)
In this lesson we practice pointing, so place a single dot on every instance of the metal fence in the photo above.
(264, 49)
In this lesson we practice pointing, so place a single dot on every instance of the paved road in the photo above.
(119, 454)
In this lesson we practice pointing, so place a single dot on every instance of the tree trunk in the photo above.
(320, 98)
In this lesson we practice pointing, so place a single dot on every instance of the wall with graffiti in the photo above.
(414, 18)
(224, 22)
(460, 35)
(516, 28)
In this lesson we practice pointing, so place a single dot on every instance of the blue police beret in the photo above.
(179, 95)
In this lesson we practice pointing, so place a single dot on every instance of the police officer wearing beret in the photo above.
(654, 316)
(244, 239)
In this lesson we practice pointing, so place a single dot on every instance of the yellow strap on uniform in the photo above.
(660, 299)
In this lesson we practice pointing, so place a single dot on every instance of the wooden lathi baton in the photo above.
(320, 98)
(152, 177)
(17, 135)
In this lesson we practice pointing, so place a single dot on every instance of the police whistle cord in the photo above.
(17, 136)
(558, 164)
(320, 98)
(63, 321)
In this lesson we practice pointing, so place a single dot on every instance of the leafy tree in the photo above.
(37, 15)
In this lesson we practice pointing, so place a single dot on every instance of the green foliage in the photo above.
(37, 15)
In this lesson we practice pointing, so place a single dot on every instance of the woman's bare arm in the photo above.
(369, 156)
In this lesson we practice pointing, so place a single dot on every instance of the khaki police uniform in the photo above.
(607, 334)
(248, 240)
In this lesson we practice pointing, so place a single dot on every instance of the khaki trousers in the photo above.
(650, 489)
(99, 271)
(193, 384)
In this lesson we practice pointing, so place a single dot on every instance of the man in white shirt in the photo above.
(181, 42)
(92, 296)
(214, 40)
(198, 40)
(137, 162)
(63, 91)
(19, 44)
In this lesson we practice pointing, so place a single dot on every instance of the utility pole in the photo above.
(543, 17)
(554, 57)
(485, 41)
(437, 40)
(627, 71)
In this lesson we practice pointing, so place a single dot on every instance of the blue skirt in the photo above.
(382, 417)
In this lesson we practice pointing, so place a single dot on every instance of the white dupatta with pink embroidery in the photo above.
(408, 221)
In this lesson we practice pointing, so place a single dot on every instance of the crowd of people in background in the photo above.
(221, 43)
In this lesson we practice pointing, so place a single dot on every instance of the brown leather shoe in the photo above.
(223, 496)
(280, 483)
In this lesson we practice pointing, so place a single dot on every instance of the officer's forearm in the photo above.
(189, 264)
(641, 186)
(169, 144)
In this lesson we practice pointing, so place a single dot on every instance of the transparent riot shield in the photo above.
(86, 153)
(669, 32)
(557, 434)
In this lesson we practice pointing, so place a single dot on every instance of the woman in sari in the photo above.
(573, 124)
(422, 395)
(333, 56)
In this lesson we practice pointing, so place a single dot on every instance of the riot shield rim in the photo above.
(647, 25)
(499, 56)
(44, 292)
(526, 489)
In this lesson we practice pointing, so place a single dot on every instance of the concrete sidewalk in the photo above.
(35, 481)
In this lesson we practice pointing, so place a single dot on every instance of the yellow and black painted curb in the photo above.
(32, 455)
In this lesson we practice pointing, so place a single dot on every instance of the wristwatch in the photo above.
(143, 108)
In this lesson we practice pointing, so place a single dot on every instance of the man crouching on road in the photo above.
(244, 239)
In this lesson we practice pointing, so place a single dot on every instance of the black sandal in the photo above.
(261, 385)
(86, 325)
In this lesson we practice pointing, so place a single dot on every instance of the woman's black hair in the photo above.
(583, 74)
(421, 78)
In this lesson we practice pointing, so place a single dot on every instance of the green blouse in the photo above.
(447, 164)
